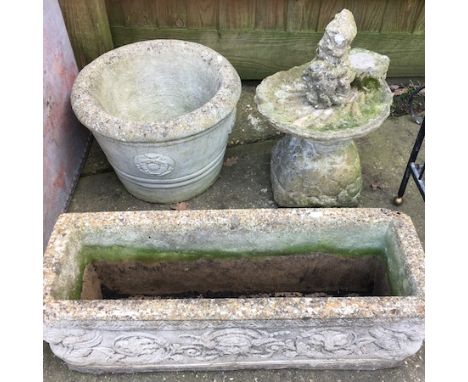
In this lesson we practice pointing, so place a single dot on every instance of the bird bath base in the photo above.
(305, 173)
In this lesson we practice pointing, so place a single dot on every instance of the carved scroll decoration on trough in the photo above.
(340, 95)
(129, 335)
(161, 110)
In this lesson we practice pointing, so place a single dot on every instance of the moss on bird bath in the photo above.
(338, 96)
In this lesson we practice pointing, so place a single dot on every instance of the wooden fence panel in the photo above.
(270, 14)
(132, 13)
(236, 14)
(202, 14)
(328, 9)
(368, 14)
(303, 15)
(420, 20)
(400, 15)
(258, 36)
(88, 28)
(171, 13)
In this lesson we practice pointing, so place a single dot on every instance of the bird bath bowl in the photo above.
(234, 289)
(161, 111)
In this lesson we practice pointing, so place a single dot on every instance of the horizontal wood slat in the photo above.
(256, 54)
(259, 36)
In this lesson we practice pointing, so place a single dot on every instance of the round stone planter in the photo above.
(161, 110)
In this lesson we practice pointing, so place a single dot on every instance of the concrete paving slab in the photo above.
(244, 181)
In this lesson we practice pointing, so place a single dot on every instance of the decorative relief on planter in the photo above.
(155, 164)
(132, 348)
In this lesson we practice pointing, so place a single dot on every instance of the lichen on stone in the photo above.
(329, 75)
(341, 94)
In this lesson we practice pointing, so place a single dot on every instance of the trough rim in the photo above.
(60, 312)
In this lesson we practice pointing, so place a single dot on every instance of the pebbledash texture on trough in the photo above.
(162, 111)
(365, 330)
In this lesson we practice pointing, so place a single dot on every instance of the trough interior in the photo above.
(156, 87)
(232, 260)
(198, 275)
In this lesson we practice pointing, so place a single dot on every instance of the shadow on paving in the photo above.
(244, 182)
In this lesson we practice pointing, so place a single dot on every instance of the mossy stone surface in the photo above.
(306, 173)
(281, 98)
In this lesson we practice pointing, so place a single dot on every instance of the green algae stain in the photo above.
(116, 253)
(366, 84)
(371, 106)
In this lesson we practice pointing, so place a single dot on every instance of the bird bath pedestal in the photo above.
(322, 106)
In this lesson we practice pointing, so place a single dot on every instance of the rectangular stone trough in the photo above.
(233, 289)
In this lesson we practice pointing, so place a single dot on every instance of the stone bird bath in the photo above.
(233, 289)
(322, 106)
(161, 111)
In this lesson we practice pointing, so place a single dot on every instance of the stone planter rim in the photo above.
(58, 312)
(98, 120)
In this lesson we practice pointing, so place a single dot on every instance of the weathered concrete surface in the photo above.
(162, 111)
(412, 371)
(250, 125)
(245, 183)
(307, 173)
(281, 99)
(332, 99)
(121, 335)
(155, 91)
(329, 75)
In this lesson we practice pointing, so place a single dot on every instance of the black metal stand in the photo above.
(412, 168)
